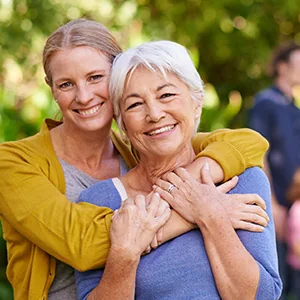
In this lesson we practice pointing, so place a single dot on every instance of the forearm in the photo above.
(175, 226)
(234, 150)
(118, 280)
(78, 235)
(235, 271)
(216, 170)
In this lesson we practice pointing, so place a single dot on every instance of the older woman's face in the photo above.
(80, 85)
(158, 113)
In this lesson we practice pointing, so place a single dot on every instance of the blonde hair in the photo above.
(79, 32)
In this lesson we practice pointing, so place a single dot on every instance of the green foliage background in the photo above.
(229, 40)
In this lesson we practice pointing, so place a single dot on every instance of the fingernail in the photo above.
(206, 166)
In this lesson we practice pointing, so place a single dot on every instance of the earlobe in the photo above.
(198, 111)
(47, 81)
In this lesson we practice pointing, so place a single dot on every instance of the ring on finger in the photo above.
(171, 188)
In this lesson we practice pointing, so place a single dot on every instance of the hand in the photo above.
(191, 199)
(158, 237)
(245, 211)
(135, 224)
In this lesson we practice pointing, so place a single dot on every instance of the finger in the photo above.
(164, 195)
(127, 202)
(148, 198)
(183, 174)
(147, 250)
(163, 205)
(249, 226)
(159, 236)
(163, 184)
(205, 175)
(255, 199)
(152, 208)
(163, 218)
(256, 210)
(228, 185)
(172, 178)
(115, 214)
(255, 219)
(154, 243)
(140, 202)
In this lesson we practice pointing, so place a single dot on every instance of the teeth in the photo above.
(161, 130)
(89, 111)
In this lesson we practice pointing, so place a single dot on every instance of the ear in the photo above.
(51, 87)
(198, 110)
(47, 81)
(282, 68)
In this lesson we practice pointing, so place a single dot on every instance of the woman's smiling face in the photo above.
(80, 86)
(158, 113)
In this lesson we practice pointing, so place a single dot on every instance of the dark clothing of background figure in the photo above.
(277, 118)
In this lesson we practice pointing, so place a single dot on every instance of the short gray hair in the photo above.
(161, 56)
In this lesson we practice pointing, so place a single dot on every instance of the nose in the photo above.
(155, 112)
(84, 94)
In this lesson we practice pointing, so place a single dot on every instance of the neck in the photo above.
(92, 153)
(150, 168)
(285, 87)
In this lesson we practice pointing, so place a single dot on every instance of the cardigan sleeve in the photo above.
(31, 202)
(234, 149)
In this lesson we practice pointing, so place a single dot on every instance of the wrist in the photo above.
(125, 255)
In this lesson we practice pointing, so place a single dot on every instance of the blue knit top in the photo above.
(180, 269)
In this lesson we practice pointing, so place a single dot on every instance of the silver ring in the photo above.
(171, 188)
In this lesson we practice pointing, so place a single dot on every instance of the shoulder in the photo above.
(38, 146)
(103, 193)
(270, 95)
(253, 181)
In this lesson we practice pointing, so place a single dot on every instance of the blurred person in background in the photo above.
(277, 118)
(293, 241)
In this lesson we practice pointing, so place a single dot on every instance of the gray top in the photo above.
(63, 286)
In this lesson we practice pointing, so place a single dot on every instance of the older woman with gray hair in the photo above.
(157, 96)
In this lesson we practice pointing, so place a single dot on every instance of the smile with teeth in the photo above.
(90, 111)
(161, 130)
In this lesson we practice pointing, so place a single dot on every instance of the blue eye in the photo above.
(65, 85)
(96, 77)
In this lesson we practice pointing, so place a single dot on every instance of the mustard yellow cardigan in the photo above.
(40, 225)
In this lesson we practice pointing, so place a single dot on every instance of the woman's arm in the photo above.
(32, 201)
(229, 152)
(244, 264)
(234, 150)
(134, 226)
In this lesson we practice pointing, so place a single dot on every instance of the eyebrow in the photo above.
(165, 85)
(159, 88)
(96, 71)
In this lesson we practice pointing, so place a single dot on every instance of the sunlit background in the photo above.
(230, 42)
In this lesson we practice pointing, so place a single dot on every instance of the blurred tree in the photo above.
(229, 40)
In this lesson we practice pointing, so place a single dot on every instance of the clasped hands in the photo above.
(139, 223)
